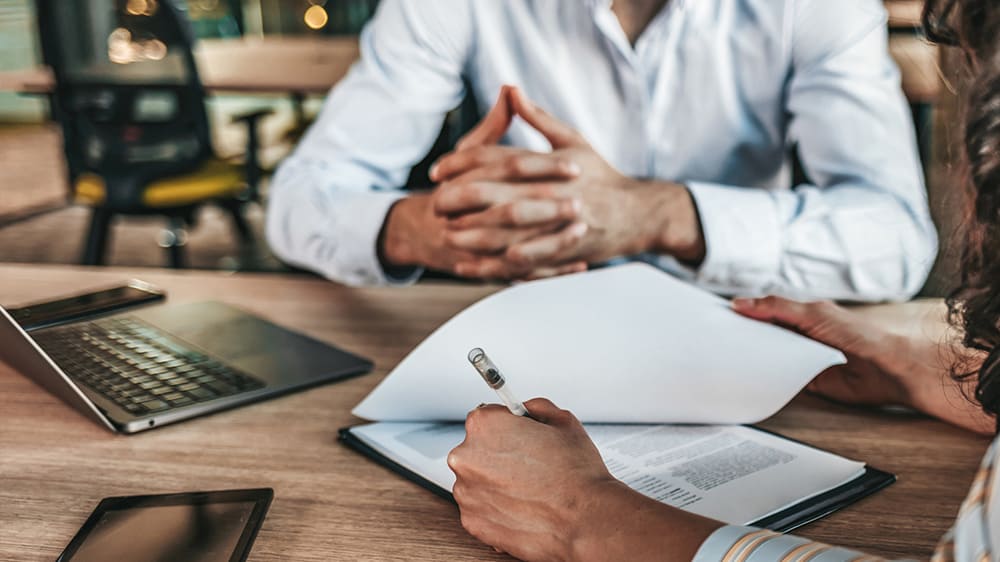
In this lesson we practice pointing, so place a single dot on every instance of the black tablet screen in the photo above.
(168, 528)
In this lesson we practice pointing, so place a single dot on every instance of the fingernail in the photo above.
(743, 304)
(434, 171)
(576, 205)
(578, 229)
(572, 168)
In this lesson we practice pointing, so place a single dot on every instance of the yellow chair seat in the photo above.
(216, 179)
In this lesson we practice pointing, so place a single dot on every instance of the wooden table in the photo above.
(302, 65)
(332, 504)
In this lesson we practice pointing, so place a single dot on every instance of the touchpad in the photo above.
(251, 343)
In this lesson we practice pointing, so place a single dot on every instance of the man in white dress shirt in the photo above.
(654, 130)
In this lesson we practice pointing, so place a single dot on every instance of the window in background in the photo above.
(214, 18)
(328, 17)
(17, 51)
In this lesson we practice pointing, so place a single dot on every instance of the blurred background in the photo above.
(278, 56)
(218, 92)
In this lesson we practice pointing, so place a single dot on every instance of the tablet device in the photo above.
(195, 527)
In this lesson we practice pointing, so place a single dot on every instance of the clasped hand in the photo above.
(513, 213)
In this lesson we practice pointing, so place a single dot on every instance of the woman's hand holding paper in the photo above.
(884, 368)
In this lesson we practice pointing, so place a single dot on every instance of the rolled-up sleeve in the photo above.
(329, 199)
(862, 230)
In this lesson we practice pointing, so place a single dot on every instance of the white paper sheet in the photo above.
(729, 473)
(628, 344)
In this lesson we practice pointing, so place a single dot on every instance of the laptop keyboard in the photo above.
(139, 367)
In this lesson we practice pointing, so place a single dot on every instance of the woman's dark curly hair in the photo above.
(974, 26)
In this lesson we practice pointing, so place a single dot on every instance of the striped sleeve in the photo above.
(748, 544)
(974, 538)
(976, 533)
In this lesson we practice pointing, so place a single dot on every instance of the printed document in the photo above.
(733, 474)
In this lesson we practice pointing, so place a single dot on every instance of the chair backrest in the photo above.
(127, 94)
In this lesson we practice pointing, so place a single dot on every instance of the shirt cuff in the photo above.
(361, 217)
(750, 544)
(742, 236)
(721, 544)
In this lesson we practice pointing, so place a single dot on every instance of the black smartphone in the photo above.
(194, 527)
(76, 307)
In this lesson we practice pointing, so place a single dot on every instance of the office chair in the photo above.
(135, 128)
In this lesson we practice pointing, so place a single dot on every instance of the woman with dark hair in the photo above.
(573, 509)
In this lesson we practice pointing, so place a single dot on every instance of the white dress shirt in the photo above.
(712, 95)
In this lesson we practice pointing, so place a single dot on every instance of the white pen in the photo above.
(493, 377)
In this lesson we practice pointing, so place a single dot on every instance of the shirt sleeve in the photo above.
(748, 544)
(863, 230)
(329, 199)
(975, 537)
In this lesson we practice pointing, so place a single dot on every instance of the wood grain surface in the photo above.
(332, 504)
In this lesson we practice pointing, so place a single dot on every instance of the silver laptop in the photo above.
(136, 370)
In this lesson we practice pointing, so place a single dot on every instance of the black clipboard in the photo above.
(788, 519)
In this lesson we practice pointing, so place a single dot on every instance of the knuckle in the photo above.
(566, 165)
(460, 270)
(769, 301)
(474, 420)
(546, 191)
(568, 241)
(441, 195)
(479, 156)
(511, 214)
(824, 307)
(517, 256)
(468, 191)
(455, 462)
(488, 270)
(516, 165)
(475, 239)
